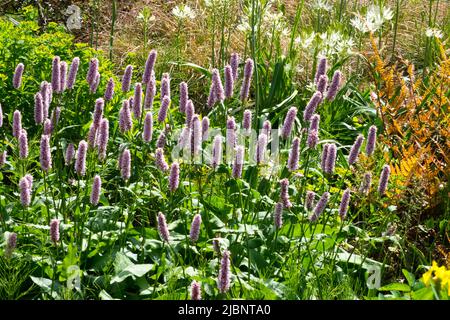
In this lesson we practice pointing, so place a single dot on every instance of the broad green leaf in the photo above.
(395, 287)
(135, 271)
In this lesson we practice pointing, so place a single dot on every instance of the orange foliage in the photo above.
(416, 120)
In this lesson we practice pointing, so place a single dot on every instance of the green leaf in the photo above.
(135, 271)
(121, 262)
(423, 294)
(105, 296)
(396, 287)
(44, 283)
(409, 277)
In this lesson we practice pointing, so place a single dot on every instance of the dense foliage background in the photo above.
(259, 236)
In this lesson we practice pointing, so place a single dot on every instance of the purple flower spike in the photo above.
(45, 155)
(334, 86)
(38, 108)
(247, 121)
(223, 281)
(366, 183)
(196, 291)
(183, 96)
(174, 176)
(248, 73)
(46, 93)
(29, 178)
(183, 140)
(261, 148)
(343, 207)
(25, 192)
(231, 133)
(354, 151)
(196, 135)
(80, 163)
(284, 193)
(320, 207)
(162, 114)
(217, 151)
(212, 97)
(278, 215)
(94, 85)
(103, 137)
(149, 66)
(23, 144)
(321, 69)
(165, 86)
(17, 79)
(1, 116)
(195, 228)
(309, 201)
(162, 227)
(289, 122)
(266, 128)
(218, 87)
(315, 119)
(238, 162)
(70, 154)
(54, 230)
(190, 110)
(125, 164)
(313, 139)
(126, 79)
(55, 118)
(229, 82)
(62, 76)
(205, 128)
(324, 156)
(371, 140)
(98, 112)
(47, 127)
(331, 159)
(11, 244)
(384, 178)
(160, 161)
(137, 101)
(73, 73)
(56, 74)
(148, 127)
(322, 83)
(92, 71)
(150, 93)
(17, 123)
(311, 107)
(294, 155)
(161, 142)
(96, 188)
(234, 63)
(125, 122)
(109, 91)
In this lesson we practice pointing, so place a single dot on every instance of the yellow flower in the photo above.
(439, 276)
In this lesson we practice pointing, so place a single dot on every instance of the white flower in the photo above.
(433, 32)
(244, 26)
(272, 18)
(373, 20)
(321, 5)
(183, 12)
(287, 67)
(334, 43)
(305, 41)
(359, 24)
(388, 14)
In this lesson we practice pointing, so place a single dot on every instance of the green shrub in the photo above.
(23, 41)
